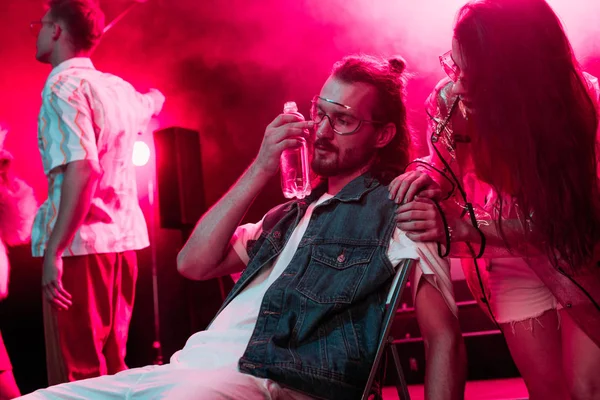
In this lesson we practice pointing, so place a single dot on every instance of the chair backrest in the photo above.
(403, 272)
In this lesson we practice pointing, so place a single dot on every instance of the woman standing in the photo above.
(513, 148)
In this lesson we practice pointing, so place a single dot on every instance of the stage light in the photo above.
(141, 154)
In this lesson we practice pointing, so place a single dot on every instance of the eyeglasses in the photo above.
(36, 26)
(449, 66)
(340, 122)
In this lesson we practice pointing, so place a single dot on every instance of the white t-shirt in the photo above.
(226, 339)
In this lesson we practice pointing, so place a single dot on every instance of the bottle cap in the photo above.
(290, 107)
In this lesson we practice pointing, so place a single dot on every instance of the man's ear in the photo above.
(385, 135)
(57, 30)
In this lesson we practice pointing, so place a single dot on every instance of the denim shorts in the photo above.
(516, 292)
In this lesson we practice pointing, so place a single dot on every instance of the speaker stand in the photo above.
(156, 344)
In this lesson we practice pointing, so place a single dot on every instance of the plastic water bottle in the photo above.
(295, 173)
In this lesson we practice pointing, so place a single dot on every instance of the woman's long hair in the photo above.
(534, 119)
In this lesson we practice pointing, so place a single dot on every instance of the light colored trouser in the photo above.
(170, 382)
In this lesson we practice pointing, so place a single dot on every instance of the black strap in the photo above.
(447, 231)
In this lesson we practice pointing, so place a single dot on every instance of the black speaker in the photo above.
(179, 176)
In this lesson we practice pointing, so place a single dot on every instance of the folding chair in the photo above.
(403, 271)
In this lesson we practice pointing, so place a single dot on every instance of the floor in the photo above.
(498, 389)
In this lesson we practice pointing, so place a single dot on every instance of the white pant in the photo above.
(170, 382)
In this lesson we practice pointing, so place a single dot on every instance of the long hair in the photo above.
(534, 120)
(388, 79)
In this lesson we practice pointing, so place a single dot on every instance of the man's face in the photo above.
(45, 39)
(339, 155)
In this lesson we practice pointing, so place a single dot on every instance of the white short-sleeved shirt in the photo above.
(90, 115)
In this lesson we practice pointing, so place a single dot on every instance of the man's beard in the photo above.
(352, 160)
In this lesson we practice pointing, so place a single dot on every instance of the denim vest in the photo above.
(319, 323)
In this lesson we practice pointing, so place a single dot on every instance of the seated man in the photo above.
(304, 319)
